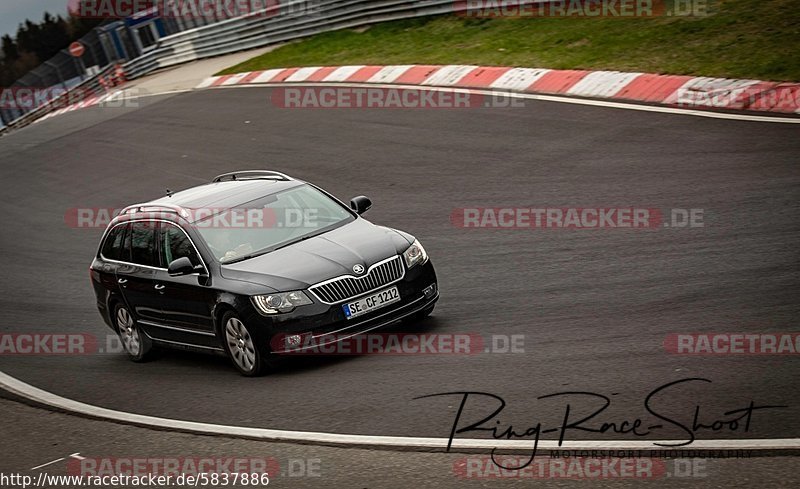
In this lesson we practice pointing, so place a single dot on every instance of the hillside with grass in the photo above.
(738, 39)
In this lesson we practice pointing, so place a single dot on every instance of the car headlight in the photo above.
(282, 302)
(415, 254)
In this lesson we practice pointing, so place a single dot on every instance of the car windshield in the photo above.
(269, 223)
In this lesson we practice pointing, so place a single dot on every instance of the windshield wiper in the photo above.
(290, 243)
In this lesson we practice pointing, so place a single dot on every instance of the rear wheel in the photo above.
(241, 346)
(137, 345)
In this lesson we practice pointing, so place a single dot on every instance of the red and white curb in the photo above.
(89, 102)
(40, 396)
(637, 91)
(672, 90)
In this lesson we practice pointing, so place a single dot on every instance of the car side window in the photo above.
(113, 245)
(143, 243)
(176, 244)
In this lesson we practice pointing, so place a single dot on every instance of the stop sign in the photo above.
(76, 49)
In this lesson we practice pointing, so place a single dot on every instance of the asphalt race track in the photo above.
(594, 306)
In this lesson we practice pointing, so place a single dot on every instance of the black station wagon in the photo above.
(254, 264)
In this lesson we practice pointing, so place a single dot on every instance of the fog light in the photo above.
(429, 291)
(293, 340)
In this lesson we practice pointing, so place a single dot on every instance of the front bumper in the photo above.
(318, 323)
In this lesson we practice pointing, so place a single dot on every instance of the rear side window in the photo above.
(113, 245)
(176, 244)
(143, 243)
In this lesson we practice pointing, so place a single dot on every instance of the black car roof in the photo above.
(225, 194)
(218, 196)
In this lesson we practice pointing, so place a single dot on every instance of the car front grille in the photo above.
(347, 286)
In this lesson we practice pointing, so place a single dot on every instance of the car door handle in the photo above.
(160, 287)
(122, 281)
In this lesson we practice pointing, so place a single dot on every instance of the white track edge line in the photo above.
(35, 394)
(534, 96)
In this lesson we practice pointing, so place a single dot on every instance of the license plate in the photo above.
(371, 302)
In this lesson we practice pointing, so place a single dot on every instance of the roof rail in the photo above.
(252, 175)
(133, 209)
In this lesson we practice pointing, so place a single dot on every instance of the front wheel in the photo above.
(241, 347)
(136, 343)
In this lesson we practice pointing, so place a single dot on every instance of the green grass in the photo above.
(740, 39)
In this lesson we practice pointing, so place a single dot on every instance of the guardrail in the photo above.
(277, 24)
(92, 86)
(281, 23)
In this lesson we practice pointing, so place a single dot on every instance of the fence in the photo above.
(92, 87)
(62, 70)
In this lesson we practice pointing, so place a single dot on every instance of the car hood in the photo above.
(320, 258)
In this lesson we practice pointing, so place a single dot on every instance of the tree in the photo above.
(36, 43)
(9, 47)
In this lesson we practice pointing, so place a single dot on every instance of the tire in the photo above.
(241, 346)
(137, 345)
(419, 316)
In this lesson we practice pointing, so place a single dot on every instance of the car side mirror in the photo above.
(181, 266)
(360, 204)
